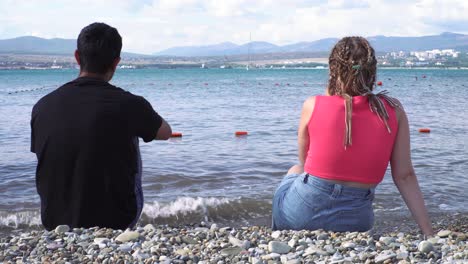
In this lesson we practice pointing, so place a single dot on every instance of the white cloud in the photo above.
(151, 25)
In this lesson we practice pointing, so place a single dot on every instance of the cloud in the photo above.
(148, 26)
(348, 4)
(450, 16)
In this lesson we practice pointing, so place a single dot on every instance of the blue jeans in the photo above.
(307, 202)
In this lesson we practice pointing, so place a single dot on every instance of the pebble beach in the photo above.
(209, 243)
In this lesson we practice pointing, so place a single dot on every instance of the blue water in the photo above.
(209, 174)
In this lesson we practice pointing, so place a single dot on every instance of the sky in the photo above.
(148, 26)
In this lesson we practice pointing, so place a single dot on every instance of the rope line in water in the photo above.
(33, 89)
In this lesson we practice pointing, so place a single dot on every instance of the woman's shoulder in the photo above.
(394, 103)
(310, 99)
(310, 102)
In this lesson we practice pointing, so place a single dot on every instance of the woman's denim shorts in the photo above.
(307, 202)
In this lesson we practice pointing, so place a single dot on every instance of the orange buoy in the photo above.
(176, 134)
(424, 130)
(379, 83)
(241, 133)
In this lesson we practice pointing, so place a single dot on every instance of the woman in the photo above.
(346, 140)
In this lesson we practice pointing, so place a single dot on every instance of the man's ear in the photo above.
(77, 57)
(115, 63)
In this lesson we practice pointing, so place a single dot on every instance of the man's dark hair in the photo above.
(98, 46)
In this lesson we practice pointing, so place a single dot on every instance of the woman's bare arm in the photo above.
(302, 132)
(404, 176)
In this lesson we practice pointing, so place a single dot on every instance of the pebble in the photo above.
(276, 234)
(62, 229)
(214, 227)
(128, 236)
(402, 255)
(125, 248)
(255, 260)
(234, 241)
(310, 251)
(232, 251)
(52, 246)
(444, 233)
(348, 245)
(188, 240)
(149, 228)
(425, 246)
(271, 256)
(210, 244)
(386, 240)
(101, 240)
(382, 257)
(278, 247)
(323, 236)
(293, 261)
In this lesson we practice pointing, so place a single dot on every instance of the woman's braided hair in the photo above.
(353, 68)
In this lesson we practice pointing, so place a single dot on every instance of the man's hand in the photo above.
(164, 132)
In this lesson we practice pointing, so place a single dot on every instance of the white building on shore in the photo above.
(434, 54)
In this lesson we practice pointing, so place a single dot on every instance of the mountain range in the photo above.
(380, 43)
(56, 46)
(34, 45)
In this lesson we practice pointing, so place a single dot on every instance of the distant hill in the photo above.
(57, 46)
(35, 45)
(445, 40)
(381, 44)
(41, 46)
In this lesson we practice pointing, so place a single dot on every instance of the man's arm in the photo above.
(164, 132)
(404, 176)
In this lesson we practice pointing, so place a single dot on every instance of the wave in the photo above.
(183, 206)
(20, 219)
(187, 210)
(181, 211)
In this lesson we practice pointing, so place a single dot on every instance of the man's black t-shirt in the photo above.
(84, 135)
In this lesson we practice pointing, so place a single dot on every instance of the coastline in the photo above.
(196, 66)
(209, 243)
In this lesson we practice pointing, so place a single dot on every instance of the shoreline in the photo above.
(195, 67)
(209, 243)
(384, 221)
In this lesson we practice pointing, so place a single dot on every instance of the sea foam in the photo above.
(183, 206)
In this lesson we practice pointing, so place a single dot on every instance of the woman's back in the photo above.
(345, 142)
(366, 159)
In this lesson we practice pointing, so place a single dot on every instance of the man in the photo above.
(85, 135)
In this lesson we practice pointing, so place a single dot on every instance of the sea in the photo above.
(211, 175)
